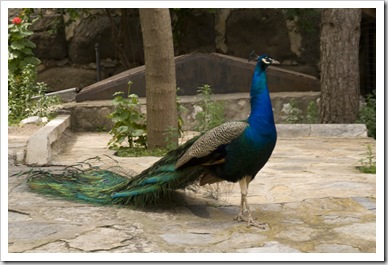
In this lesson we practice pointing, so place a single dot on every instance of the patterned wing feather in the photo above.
(211, 140)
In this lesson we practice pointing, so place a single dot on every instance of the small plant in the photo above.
(22, 75)
(169, 135)
(130, 127)
(20, 47)
(292, 112)
(312, 113)
(368, 114)
(180, 109)
(212, 113)
(368, 164)
(129, 122)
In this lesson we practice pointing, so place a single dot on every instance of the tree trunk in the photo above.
(162, 121)
(340, 77)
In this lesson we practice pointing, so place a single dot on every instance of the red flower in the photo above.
(17, 20)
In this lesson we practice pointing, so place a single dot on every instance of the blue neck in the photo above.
(261, 107)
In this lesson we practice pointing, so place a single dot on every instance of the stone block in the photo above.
(38, 151)
(58, 78)
(321, 130)
(32, 119)
(339, 130)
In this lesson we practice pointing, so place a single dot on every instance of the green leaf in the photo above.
(12, 68)
(13, 55)
(31, 60)
(27, 51)
(118, 93)
(29, 43)
(137, 133)
(124, 116)
(18, 44)
(122, 129)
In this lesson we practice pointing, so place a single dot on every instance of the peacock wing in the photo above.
(211, 140)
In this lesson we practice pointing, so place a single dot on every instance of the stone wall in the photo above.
(67, 49)
(91, 115)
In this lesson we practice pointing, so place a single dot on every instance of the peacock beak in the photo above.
(275, 61)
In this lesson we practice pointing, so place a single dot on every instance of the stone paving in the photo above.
(310, 193)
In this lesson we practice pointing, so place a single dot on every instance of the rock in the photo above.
(67, 77)
(366, 231)
(187, 238)
(97, 29)
(335, 248)
(92, 66)
(368, 203)
(221, 17)
(32, 119)
(299, 233)
(56, 247)
(91, 30)
(36, 230)
(243, 240)
(270, 247)
(196, 30)
(49, 37)
(336, 219)
(41, 68)
(63, 62)
(19, 157)
(102, 238)
(90, 118)
(108, 63)
(255, 23)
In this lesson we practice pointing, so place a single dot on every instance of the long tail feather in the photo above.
(98, 186)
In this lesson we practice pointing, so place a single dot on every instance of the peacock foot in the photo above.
(252, 222)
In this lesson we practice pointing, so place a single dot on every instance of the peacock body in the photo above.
(233, 151)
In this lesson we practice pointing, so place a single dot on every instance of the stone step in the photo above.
(38, 151)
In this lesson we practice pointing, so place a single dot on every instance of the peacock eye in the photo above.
(266, 60)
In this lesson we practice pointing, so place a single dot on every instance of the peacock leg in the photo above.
(244, 207)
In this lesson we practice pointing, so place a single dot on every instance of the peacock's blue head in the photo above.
(263, 60)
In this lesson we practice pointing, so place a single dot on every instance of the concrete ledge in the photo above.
(39, 146)
(321, 130)
(38, 151)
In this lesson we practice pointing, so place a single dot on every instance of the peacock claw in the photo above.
(259, 225)
(251, 222)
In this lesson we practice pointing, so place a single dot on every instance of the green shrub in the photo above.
(294, 113)
(367, 114)
(312, 113)
(19, 47)
(22, 75)
(368, 164)
(180, 109)
(212, 113)
(130, 127)
(129, 122)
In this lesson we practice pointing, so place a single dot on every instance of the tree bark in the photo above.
(162, 120)
(340, 77)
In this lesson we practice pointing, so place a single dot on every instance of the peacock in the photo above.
(234, 151)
